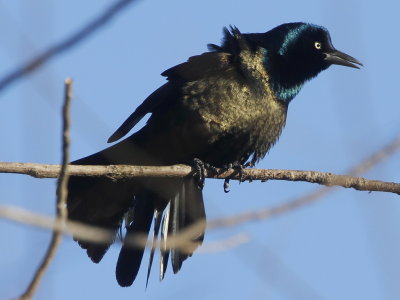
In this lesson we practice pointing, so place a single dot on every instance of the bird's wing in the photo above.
(207, 64)
(158, 96)
(197, 67)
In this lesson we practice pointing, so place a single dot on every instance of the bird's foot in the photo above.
(249, 164)
(200, 168)
(238, 167)
(199, 172)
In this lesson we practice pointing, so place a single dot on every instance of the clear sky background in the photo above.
(345, 246)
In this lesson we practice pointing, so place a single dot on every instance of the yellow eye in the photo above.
(318, 45)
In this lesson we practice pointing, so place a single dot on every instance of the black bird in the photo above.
(225, 106)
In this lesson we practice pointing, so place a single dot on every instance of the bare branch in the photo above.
(226, 244)
(62, 192)
(181, 241)
(66, 44)
(267, 213)
(364, 166)
(176, 171)
(376, 158)
(79, 230)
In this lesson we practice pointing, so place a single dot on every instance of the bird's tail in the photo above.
(106, 202)
(185, 210)
(98, 201)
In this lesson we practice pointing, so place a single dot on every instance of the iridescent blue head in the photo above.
(293, 54)
(297, 52)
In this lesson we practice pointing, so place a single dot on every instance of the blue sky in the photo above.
(345, 246)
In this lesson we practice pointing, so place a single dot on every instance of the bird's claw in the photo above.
(226, 185)
(200, 169)
(237, 167)
(200, 172)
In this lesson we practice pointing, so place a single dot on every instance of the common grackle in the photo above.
(224, 106)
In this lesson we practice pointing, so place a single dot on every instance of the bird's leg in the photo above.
(238, 167)
(249, 164)
(199, 168)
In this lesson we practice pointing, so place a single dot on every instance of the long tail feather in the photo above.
(164, 252)
(187, 209)
(129, 258)
(157, 223)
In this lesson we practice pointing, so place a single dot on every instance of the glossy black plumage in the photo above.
(225, 106)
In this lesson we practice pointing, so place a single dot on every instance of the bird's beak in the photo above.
(336, 57)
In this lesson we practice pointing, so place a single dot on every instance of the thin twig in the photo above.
(225, 244)
(376, 158)
(66, 44)
(266, 213)
(62, 193)
(81, 231)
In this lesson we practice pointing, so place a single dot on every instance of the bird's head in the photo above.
(295, 53)
(309, 46)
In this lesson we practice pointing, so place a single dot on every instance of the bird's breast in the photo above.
(234, 117)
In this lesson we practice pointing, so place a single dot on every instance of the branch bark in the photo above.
(125, 171)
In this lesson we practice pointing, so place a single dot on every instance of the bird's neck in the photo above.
(284, 92)
(286, 80)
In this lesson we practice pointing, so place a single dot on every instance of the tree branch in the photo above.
(176, 171)
(261, 214)
(182, 241)
(64, 45)
(62, 192)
